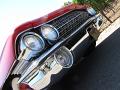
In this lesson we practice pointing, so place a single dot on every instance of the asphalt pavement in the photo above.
(100, 70)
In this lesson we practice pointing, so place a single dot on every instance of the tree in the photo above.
(99, 5)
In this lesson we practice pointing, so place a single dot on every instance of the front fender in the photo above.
(6, 60)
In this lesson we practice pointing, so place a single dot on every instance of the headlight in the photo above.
(31, 44)
(49, 32)
(41, 76)
(33, 41)
(64, 57)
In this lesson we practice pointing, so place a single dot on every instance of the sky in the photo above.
(15, 12)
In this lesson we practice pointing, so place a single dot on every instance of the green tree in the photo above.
(99, 5)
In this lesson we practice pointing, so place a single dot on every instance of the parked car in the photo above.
(41, 52)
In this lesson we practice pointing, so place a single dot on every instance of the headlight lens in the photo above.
(49, 32)
(64, 57)
(33, 41)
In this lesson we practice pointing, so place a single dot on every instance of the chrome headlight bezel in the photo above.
(29, 44)
(67, 54)
(51, 33)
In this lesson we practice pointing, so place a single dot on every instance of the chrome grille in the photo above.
(69, 22)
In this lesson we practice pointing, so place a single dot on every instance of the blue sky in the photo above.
(15, 12)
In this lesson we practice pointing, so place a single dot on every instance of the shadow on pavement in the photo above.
(100, 71)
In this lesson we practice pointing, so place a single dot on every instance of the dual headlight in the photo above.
(31, 44)
(35, 42)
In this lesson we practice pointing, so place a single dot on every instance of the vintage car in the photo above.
(43, 51)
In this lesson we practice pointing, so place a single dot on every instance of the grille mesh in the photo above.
(69, 22)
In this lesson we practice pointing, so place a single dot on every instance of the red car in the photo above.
(41, 52)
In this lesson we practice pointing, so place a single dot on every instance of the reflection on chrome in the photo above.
(62, 58)
(30, 44)
(91, 11)
(49, 32)
(37, 73)
(99, 22)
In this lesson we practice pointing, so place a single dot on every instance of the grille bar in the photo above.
(69, 22)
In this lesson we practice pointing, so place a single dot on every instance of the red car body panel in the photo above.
(7, 59)
(8, 54)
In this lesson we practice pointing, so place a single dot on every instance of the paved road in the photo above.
(101, 70)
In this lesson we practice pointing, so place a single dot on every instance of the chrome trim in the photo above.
(26, 54)
(38, 82)
(91, 11)
(54, 18)
(41, 59)
(69, 21)
(69, 54)
(35, 34)
(40, 25)
(81, 40)
(46, 54)
(99, 22)
(42, 74)
(51, 26)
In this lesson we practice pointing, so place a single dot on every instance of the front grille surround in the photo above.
(69, 22)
